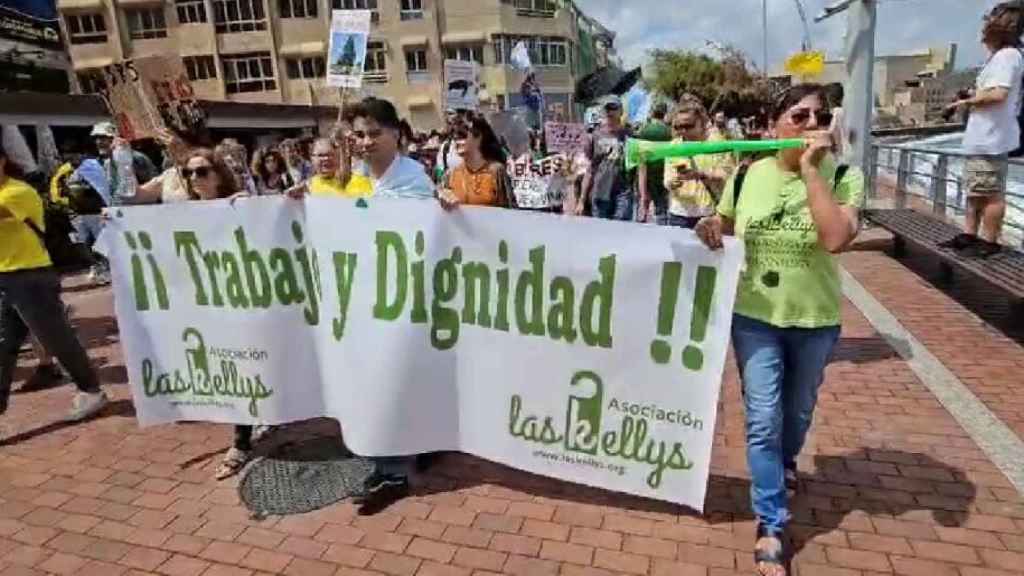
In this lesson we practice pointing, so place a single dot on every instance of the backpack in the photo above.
(56, 238)
(741, 175)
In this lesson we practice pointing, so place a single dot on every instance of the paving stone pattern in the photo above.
(891, 484)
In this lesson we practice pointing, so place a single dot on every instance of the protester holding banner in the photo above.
(792, 211)
(376, 130)
(693, 184)
(481, 179)
(608, 187)
(208, 177)
(30, 294)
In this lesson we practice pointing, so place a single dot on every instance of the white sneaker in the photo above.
(103, 278)
(262, 432)
(86, 405)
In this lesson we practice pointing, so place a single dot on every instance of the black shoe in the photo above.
(45, 376)
(381, 491)
(960, 242)
(981, 249)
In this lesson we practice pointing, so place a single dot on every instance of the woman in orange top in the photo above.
(481, 179)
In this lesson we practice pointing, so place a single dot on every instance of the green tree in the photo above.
(348, 53)
(726, 81)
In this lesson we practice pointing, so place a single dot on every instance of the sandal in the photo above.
(232, 464)
(769, 562)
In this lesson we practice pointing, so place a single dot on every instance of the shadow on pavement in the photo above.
(115, 408)
(840, 489)
(866, 350)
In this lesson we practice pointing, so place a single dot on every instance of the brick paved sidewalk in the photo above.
(892, 485)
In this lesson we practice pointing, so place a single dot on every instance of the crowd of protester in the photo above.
(372, 152)
(793, 209)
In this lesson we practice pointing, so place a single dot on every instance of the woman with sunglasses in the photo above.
(793, 216)
(209, 178)
(481, 179)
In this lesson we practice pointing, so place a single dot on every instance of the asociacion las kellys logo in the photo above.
(583, 435)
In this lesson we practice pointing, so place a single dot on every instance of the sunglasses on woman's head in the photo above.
(800, 117)
(201, 172)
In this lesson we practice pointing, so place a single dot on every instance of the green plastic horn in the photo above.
(645, 151)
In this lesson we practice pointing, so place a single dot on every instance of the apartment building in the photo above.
(272, 51)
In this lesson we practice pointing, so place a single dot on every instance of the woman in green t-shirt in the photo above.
(792, 216)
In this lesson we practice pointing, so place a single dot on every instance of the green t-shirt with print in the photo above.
(789, 280)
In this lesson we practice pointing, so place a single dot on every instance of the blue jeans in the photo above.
(618, 207)
(781, 370)
(88, 228)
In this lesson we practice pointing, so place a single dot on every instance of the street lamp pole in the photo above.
(860, 65)
(764, 37)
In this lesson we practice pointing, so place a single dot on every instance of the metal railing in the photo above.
(935, 178)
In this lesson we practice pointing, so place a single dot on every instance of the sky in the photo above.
(903, 25)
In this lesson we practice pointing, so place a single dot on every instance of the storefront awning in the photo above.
(303, 48)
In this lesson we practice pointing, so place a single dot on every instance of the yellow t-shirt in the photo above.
(358, 187)
(20, 247)
(693, 199)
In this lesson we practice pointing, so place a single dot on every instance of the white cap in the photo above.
(104, 129)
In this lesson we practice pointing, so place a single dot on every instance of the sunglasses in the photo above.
(684, 127)
(800, 117)
(201, 172)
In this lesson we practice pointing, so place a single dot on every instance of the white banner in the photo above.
(462, 80)
(347, 52)
(586, 350)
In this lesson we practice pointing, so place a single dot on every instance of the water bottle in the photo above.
(126, 182)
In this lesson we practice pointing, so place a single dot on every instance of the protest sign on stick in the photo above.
(536, 183)
(346, 54)
(151, 93)
(462, 84)
(564, 137)
(585, 350)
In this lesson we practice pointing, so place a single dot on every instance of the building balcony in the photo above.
(534, 13)
(375, 77)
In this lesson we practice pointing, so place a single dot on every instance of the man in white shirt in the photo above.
(992, 131)
(376, 130)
